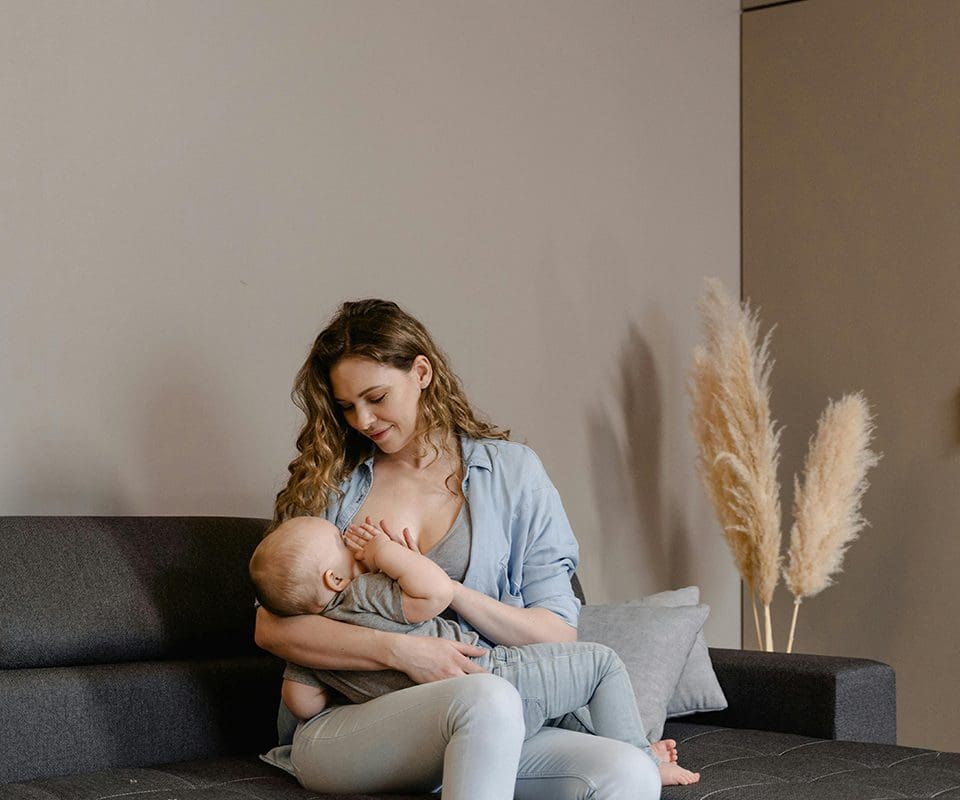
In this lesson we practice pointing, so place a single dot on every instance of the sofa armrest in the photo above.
(821, 696)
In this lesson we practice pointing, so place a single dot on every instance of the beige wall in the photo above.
(851, 187)
(189, 189)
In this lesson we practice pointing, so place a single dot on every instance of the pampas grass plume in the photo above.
(826, 506)
(738, 445)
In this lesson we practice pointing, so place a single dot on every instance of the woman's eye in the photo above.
(379, 399)
(346, 409)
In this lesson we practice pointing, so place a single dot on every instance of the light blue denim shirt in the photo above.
(523, 551)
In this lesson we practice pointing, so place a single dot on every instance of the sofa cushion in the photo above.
(63, 720)
(763, 765)
(213, 779)
(698, 689)
(654, 644)
(124, 589)
(734, 764)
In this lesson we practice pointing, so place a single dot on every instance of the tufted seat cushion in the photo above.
(210, 779)
(761, 765)
(734, 765)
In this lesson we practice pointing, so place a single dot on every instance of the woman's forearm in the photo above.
(509, 625)
(320, 643)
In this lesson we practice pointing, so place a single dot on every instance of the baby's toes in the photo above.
(687, 777)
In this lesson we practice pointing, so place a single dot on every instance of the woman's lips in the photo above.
(379, 435)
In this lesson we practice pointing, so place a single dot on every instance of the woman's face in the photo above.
(380, 401)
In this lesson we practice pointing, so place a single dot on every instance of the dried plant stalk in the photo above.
(826, 505)
(738, 445)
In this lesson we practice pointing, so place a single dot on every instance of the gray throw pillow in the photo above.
(698, 688)
(653, 643)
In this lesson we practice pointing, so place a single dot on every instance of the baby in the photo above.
(365, 578)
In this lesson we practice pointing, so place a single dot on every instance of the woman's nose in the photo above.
(365, 419)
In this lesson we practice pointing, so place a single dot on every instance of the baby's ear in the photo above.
(334, 582)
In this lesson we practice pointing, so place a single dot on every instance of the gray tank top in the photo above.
(452, 552)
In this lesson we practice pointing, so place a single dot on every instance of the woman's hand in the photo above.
(406, 537)
(425, 659)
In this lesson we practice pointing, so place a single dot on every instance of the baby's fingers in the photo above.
(355, 540)
(360, 533)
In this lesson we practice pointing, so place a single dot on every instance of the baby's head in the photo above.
(299, 566)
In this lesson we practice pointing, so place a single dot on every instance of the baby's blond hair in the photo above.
(287, 572)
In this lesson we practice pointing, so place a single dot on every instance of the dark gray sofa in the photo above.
(128, 669)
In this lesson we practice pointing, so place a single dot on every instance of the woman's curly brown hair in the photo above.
(330, 449)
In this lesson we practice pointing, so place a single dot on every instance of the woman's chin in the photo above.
(389, 445)
(393, 445)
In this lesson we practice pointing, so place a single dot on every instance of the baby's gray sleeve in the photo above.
(298, 674)
(369, 596)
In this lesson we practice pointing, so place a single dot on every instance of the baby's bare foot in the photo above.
(675, 775)
(665, 750)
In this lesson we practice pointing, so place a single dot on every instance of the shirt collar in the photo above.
(475, 454)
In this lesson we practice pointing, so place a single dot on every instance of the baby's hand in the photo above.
(364, 540)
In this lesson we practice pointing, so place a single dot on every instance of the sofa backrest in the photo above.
(128, 641)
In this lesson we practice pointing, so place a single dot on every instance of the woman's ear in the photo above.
(423, 371)
(334, 582)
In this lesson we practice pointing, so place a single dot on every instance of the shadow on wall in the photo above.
(644, 543)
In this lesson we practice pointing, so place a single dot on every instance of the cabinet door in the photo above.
(851, 245)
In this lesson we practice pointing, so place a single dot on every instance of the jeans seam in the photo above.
(557, 657)
(541, 776)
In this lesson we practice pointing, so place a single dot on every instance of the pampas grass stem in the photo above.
(756, 620)
(768, 629)
(793, 624)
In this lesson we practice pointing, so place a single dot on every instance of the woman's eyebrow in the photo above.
(364, 393)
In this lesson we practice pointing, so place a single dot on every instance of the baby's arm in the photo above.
(425, 588)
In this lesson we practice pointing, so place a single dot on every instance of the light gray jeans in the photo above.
(468, 733)
(558, 679)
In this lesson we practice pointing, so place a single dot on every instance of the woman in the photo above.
(390, 436)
